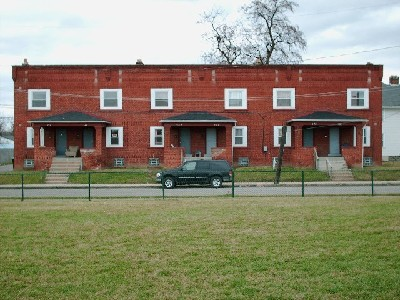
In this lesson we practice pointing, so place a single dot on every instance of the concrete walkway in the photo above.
(6, 168)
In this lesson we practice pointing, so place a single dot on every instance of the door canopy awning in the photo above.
(326, 116)
(72, 118)
(198, 117)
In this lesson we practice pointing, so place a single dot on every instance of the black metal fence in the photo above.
(142, 184)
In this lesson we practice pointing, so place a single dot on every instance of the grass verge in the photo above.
(214, 248)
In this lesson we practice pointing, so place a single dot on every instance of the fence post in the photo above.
(372, 182)
(302, 183)
(89, 179)
(162, 186)
(233, 184)
(22, 187)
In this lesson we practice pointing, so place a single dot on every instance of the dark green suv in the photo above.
(213, 172)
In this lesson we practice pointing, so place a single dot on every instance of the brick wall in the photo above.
(195, 88)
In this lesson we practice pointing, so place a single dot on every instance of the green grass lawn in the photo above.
(209, 248)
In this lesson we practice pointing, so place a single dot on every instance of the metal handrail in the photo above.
(329, 168)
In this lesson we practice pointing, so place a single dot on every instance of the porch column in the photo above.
(99, 139)
(298, 136)
(167, 135)
(36, 138)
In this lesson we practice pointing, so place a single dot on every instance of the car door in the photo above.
(202, 172)
(187, 173)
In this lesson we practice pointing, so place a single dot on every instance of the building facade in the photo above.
(171, 113)
(391, 120)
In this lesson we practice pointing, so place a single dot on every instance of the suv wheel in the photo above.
(169, 183)
(216, 181)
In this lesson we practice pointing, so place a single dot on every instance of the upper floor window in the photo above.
(278, 136)
(357, 98)
(161, 99)
(284, 98)
(39, 99)
(235, 98)
(110, 99)
(239, 136)
(114, 137)
(156, 136)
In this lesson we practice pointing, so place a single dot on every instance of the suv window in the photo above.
(189, 166)
(218, 165)
(203, 165)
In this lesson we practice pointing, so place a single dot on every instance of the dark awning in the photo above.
(326, 116)
(70, 117)
(198, 117)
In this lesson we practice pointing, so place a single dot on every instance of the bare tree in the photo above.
(265, 35)
(270, 37)
(225, 47)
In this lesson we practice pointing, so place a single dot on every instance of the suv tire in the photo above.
(169, 182)
(216, 182)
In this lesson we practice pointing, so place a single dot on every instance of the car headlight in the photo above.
(158, 175)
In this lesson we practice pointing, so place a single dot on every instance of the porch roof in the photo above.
(327, 116)
(70, 117)
(198, 117)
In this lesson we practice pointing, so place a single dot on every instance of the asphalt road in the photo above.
(249, 189)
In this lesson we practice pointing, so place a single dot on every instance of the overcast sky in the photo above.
(167, 32)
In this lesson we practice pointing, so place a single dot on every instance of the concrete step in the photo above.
(342, 175)
(54, 178)
(61, 167)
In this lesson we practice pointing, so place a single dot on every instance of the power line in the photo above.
(354, 53)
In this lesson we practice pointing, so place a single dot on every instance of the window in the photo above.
(156, 136)
(357, 98)
(110, 99)
(161, 99)
(284, 98)
(39, 99)
(114, 137)
(366, 136)
(239, 136)
(30, 134)
(235, 99)
(278, 136)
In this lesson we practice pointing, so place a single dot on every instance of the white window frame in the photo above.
(120, 137)
(244, 136)
(30, 137)
(292, 98)
(367, 136)
(31, 99)
(244, 98)
(153, 98)
(153, 136)
(277, 135)
(366, 99)
(119, 98)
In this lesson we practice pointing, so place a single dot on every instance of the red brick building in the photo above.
(169, 112)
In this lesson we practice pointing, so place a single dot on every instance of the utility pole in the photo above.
(280, 155)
